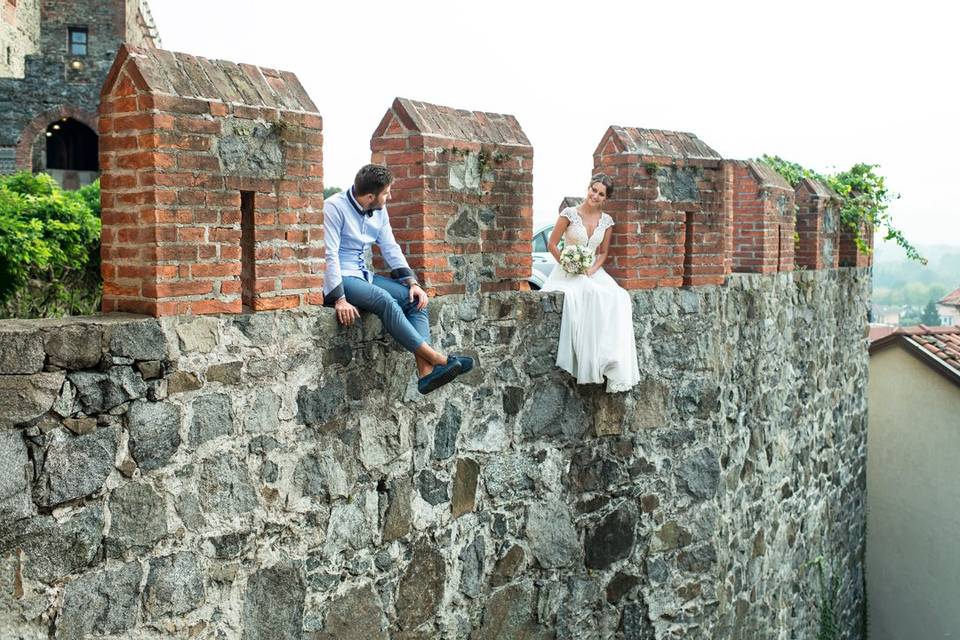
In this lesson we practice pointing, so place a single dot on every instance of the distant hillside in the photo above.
(898, 281)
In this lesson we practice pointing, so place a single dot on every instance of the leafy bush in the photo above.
(49, 248)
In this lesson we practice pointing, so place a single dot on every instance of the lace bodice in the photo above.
(576, 231)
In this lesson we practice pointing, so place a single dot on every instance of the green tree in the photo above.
(49, 248)
(329, 191)
(930, 317)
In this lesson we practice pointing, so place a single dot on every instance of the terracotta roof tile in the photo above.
(952, 298)
(941, 342)
(880, 331)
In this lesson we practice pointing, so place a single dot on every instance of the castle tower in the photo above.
(54, 57)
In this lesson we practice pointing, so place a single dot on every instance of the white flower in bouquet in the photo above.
(575, 259)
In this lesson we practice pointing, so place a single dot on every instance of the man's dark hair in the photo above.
(605, 180)
(372, 178)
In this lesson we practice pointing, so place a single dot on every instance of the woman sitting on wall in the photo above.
(596, 331)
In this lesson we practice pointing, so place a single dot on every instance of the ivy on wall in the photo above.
(865, 199)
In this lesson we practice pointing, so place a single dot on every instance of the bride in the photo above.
(596, 330)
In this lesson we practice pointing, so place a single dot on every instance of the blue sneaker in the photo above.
(441, 375)
(466, 363)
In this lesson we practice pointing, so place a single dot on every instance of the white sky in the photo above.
(826, 84)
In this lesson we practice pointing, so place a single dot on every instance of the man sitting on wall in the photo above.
(352, 220)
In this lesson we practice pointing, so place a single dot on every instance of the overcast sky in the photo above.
(824, 84)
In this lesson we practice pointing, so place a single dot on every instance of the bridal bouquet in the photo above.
(575, 259)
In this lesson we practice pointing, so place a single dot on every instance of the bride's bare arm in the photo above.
(601, 255)
(555, 236)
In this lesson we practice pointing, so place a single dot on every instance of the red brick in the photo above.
(205, 307)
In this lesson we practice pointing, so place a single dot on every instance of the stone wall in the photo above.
(276, 476)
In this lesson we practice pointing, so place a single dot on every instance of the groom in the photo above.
(352, 220)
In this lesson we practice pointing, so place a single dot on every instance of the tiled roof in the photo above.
(952, 298)
(878, 331)
(187, 76)
(940, 344)
(459, 124)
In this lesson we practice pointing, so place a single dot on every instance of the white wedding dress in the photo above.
(596, 330)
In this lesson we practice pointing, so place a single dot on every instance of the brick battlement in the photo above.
(212, 186)
(818, 225)
(764, 219)
(462, 204)
(213, 178)
(671, 205)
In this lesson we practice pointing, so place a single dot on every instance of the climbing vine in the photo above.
(864, 196)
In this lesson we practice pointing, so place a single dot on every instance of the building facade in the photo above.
(913, 444)
(54, 57)
(948, 308)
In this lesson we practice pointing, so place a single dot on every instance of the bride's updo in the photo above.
(605, 180)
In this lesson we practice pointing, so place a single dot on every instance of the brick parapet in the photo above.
(818, 225)
(671, 205)
(462, 200)
(212, 187)
(764, 219)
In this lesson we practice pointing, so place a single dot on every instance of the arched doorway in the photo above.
(67, 150)
(62, 142)
(71, 146)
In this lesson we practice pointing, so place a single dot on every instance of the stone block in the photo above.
(25, 398)
(15, 474)
(174, 586)
(142, 340)
(53, 549)
(212, 418)
(421, 587)
(357, 614)
(396, 520)
(21, 352)
(273, 604)
(104, 602)
(138, 519)
(612, 539)
(198, 335)
(75, 466)
(551, 534)
(154, 433)
(100, 392)
(74, 346)
(465, 487)
(225, 486)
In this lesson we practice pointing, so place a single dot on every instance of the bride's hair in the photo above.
(605, 180)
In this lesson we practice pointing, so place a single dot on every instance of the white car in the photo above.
(543, 262)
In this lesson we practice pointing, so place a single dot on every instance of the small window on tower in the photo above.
(78, 41)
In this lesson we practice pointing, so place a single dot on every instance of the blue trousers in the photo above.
(390, 301)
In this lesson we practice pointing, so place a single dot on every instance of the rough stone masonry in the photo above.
(273, 475)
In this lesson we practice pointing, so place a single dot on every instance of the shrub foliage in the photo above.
(49, 248)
